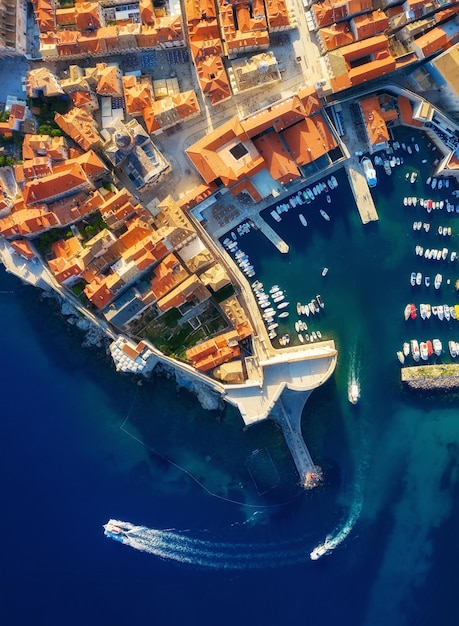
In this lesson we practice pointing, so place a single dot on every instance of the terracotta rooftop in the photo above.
(309, 140)
(278, 160)
(374, 122)
(80, 126)
(49, 187)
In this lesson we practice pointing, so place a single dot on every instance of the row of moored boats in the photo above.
(431, 205)
(435, 254)
(441, 311)
(306, 196)
(425, 349)
(273, 305)
(416, 279)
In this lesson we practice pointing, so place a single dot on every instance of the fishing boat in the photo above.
(415, 350)
(437, 346)
(452, 349)
(438, 281)
(401, 357)
(303, 220)
(353, 392)
(325, 215)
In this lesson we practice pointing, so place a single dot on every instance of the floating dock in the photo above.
(361, 191)
(270, 234)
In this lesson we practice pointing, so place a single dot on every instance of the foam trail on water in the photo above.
(176, 546)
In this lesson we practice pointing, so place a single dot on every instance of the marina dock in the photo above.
(361, 191)
(269, 233)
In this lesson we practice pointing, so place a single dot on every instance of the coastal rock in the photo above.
(446, 383)
(208, 398)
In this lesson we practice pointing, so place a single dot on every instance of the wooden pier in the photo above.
(361, 191)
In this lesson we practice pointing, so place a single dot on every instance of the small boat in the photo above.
(433, 184)
(353, 392)
(438, 281)
(311, 307)
(328, 199)
(428, 181)
(319, 334)
(430, 350)
(423, 311)
(423, 351)
(315, 305)
(427, 281)
(452, 349)
(407, 312)
(325, 215)
(282, 305)
(275, 215)
(320, 301)
(440, 312)
(437, 346)
(325, 271)
(334, 181)
(274, 288)
(303, 220)
(298, 308)
(444, 254)
(300, 337)
(413, 177)
(413, 279)
(440, 184)
(415, 350)
(320, 551)
(273, 326)
(416, 147)
(305, 310)
(446, 312)
(401, 357)
(413, 313)
(406, 348)
(418, 278)
(297, 326)
(428, 311)
(284, 314)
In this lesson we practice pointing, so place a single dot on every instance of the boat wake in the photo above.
(353, 383)
(177, 546)
(332, 541)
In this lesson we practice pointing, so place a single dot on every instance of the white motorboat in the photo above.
(446, 312)
(428, 311)
(300, 337)
(328, 199)
(282, 305)
(274, 288)
(440, 312)
(418, 278)
(298, 308)
(444, 254)
(325, 215)
(452, 349)
(427, 281)
(353, 392)
(303, 220)
(407, 312)
(415, 349)
(437, 346)
(401, 357)
(423, 311)
(320, 551)
(423, 351)
(438, 280)
(413, 279)
(311, 308)
(275, 215)
(320, 301)
(284, 314)
(325, 271)
(406, 348)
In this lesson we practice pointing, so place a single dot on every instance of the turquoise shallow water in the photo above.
(70, 458)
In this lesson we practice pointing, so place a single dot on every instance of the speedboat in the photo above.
(438, 281)
(413, 177)
(415, 349)
(437, 346)
(423, 351)
(319, 551)
(353, 392)
(119, 531)
(452, 349)
(311, 307)
(401, 357)
(325, 215)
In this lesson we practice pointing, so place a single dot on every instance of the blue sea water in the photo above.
(80, 444)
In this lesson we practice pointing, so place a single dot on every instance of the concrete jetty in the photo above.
(269, 233)
(361, 191)
(287, 413)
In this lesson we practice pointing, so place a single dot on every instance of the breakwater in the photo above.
(432, 377)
